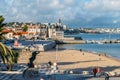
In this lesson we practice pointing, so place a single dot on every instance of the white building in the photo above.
(8, 35)
(37, 30)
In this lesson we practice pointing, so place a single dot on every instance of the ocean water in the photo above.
(112, 49)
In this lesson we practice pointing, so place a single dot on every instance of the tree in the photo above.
(1, 28)
(25, 28)
(8, 56)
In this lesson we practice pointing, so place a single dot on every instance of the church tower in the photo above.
(60, 23)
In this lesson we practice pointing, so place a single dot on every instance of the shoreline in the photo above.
(103, 54)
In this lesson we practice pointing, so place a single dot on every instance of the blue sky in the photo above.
(74, 13)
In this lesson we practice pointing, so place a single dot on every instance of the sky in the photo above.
(73, 13)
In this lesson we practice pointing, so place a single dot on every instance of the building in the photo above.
(56, 31)
(8, 34)
(37, 30)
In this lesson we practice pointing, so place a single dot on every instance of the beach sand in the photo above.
(73, 59)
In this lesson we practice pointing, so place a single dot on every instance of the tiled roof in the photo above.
(23, 32)
(6, 31)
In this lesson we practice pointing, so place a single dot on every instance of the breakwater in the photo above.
(86, 42)
(70, 41)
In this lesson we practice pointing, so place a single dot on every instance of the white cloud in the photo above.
(9, 2)
(112, 5)
(74, 11)
(14, 10)
(102, 5)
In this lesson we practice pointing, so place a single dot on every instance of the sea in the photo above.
(111, 49)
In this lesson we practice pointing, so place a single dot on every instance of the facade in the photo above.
(8, 34)
(56, 30)
(38, 30)
(53, 33)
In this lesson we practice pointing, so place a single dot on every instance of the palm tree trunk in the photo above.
(10, 67)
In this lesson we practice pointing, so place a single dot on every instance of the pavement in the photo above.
(8, 75)
(15, 75)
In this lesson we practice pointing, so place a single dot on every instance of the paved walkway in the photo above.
(18, 76)
(87, 77)
(7, 75)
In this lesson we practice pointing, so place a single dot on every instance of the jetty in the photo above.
(102, 41)
(70, 41)
(86, 41)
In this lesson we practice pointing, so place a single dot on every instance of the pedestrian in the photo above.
(41, 78)
(80, 50)
(99, 56)
(83, 53)
(107, 76)
(49, 64)
(55, 66)
(99, 71)
(94, 71)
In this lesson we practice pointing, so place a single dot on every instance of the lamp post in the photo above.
(56, 53)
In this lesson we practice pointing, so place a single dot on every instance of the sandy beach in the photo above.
(73, 59)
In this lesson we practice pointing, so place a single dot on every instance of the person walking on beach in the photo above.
(94, 72)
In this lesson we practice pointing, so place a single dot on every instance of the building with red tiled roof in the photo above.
(8, 34)
(6, 31)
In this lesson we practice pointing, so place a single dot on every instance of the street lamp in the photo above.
(56, 53)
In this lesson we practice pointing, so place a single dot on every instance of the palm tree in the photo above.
(8, 56)
(1, 28)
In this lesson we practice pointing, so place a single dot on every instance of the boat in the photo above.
(98, 42)
(90, 41)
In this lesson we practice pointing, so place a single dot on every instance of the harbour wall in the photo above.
(86, 42)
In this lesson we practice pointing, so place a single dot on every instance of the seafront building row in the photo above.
(47, 30)
(33, 36)
(36, 31)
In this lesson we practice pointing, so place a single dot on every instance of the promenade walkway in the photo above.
(112, 78)
(18, 76)
(7, 75)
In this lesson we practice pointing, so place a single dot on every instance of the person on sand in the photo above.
(49, 64)
(94, 71)
(99, 71)
(83, 53)
(54, 67)
(80, 50)
(99, 56)
(107, 76)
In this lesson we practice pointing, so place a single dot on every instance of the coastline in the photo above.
(74, 60)
(103, 54)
